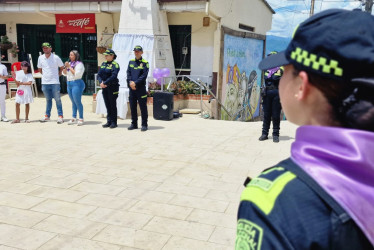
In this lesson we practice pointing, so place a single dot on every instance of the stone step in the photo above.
(189, 111)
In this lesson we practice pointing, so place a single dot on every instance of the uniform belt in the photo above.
(271, 87)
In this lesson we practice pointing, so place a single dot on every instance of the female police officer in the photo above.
(108, 80)
(323, 196)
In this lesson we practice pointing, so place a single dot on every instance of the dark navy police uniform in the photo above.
(108, 75)
(271, 202)
(271, 102)
(137, 71)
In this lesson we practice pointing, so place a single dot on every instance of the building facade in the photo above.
(188, 37)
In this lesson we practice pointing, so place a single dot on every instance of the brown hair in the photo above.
(352, 104)
(26, 64)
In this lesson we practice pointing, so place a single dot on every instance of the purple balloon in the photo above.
(159, 81)
(157, 73)
(165, 72)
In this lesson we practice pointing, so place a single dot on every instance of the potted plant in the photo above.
(5, 44)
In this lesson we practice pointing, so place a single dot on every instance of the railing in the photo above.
(204, 83)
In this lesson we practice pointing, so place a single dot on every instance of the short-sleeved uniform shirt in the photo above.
(50, 67)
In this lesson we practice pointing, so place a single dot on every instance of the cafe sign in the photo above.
(75, 23)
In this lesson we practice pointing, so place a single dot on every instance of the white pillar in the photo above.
(143, 17)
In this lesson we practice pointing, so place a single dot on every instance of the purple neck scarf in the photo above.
(272, 71)
(342, 162)
(74, 63)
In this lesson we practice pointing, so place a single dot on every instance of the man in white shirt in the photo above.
(3, 77)
(50, 66)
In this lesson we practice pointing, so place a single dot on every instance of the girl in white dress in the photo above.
(24, 92)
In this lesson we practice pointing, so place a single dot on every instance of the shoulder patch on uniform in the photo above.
(248, 235)
(116, 64)
(264, 192)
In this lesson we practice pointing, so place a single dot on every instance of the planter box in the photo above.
(189, 101)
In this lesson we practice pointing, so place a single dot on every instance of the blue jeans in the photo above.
(75, 91)
(52, 91)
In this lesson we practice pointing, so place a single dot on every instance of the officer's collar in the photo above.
(139, 59)
(109, 61)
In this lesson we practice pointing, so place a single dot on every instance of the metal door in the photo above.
(30, 37)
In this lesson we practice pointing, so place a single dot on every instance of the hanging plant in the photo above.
(5, 44)
(100, 49)
(103, 45)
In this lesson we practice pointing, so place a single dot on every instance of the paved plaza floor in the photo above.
(176, 186)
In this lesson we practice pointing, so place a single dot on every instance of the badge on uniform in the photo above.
(141, 65)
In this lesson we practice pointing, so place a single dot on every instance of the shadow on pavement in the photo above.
(155, 127)
(285, 138)
(92, 123)
(149, 127)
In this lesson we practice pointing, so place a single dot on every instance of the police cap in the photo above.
(334, 44)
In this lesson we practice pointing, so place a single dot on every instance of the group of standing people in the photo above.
(51, 67)
(137, 72)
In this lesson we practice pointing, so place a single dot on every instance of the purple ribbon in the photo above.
(74, 63)
(272, 71)
(341, 161)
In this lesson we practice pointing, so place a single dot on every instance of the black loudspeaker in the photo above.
(163, 105)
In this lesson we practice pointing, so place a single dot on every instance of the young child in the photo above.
(24, 92)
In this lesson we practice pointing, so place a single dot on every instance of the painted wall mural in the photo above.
(241, 78)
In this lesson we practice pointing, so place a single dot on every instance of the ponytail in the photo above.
(352, 102)
(357, 110)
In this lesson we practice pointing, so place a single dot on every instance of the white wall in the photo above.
(252, 13)
(202, 41)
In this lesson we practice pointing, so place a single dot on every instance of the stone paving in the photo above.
(176, 186)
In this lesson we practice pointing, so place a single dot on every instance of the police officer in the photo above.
(107, 77)
(137, 72)
(271, 103)
(322, 197)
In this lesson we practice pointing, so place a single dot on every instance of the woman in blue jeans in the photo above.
(74, 70)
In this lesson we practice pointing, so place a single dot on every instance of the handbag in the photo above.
(20, 92)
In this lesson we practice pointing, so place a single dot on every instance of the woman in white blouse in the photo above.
(74, 70)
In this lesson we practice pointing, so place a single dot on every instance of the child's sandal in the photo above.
(15, 121)
(27, 121)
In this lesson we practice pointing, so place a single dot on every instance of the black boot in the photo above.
(275, 138)
(106, 125)
(113, 125)
(132, 127)
(144, 128)
(263, 137)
